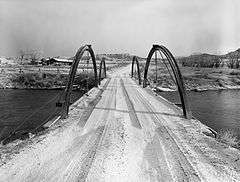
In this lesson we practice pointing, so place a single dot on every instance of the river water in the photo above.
(23, 110)
(217, 109)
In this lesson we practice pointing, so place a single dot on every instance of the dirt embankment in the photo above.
(200, 79)
(196, 79)
(41, 80)
(48, 77)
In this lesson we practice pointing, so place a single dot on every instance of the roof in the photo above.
(62, 60)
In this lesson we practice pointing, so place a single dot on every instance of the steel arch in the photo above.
(72, 74)
(102, 65)
(135, 59)
(177, 75)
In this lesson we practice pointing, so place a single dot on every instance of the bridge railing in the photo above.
(102, 66)
(78, 57)
(135, 60)
(62, 100)
(177, 75)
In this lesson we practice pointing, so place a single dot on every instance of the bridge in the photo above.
(122, 131)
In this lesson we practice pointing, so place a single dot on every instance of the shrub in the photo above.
(234, 73)
(47, 80)
(201, 60)
(228, 137)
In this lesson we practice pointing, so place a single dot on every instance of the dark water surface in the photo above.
(217, 109)
(27, 109)
(30, 108)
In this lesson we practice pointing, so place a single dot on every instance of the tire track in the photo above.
(154, 152)
(111, 146)
(79, 169)
(183, 170)
(88, 111)
(199, 161)
(132, 112)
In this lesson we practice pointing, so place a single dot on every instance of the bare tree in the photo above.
(217, 61)
(231, 61)
(234, 61)
(237, 58)
(34, 56)
(22, 55)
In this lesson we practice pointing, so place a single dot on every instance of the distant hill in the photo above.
(201, 60)
(118, 56)
(199, 54)
(233, 54)
(111, 57)
(211, 60)
(205, 55)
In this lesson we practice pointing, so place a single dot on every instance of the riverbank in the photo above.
(202, 79)
(49, 77)
(42, 81)
(196, 89)
(195, 79)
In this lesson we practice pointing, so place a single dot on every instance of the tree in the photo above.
(22, 56)
(231, 62)
(217, 61)
(35, 56)
(234, 61)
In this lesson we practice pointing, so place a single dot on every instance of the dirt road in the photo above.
(130, 135)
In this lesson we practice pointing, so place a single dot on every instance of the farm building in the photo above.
(56, 61)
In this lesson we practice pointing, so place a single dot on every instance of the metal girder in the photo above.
(177, 75)
(102, 65)
(72, 73)
(135, 59)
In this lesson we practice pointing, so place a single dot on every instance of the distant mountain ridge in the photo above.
(227, 55)
(233, 53)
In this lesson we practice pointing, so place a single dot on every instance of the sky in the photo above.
(60, 27)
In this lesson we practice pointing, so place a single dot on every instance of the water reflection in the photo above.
(32, 107)
(217, 109)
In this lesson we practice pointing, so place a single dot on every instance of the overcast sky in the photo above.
(59, 27)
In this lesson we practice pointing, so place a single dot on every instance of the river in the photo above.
(27, 109)
(217, 109)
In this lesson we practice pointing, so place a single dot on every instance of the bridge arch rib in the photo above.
(102, 66)
(72, 73)
(176, 72)
(135, 60)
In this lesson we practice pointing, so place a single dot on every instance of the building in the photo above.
(56, 61)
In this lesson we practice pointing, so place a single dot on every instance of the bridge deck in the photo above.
(130, 135)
